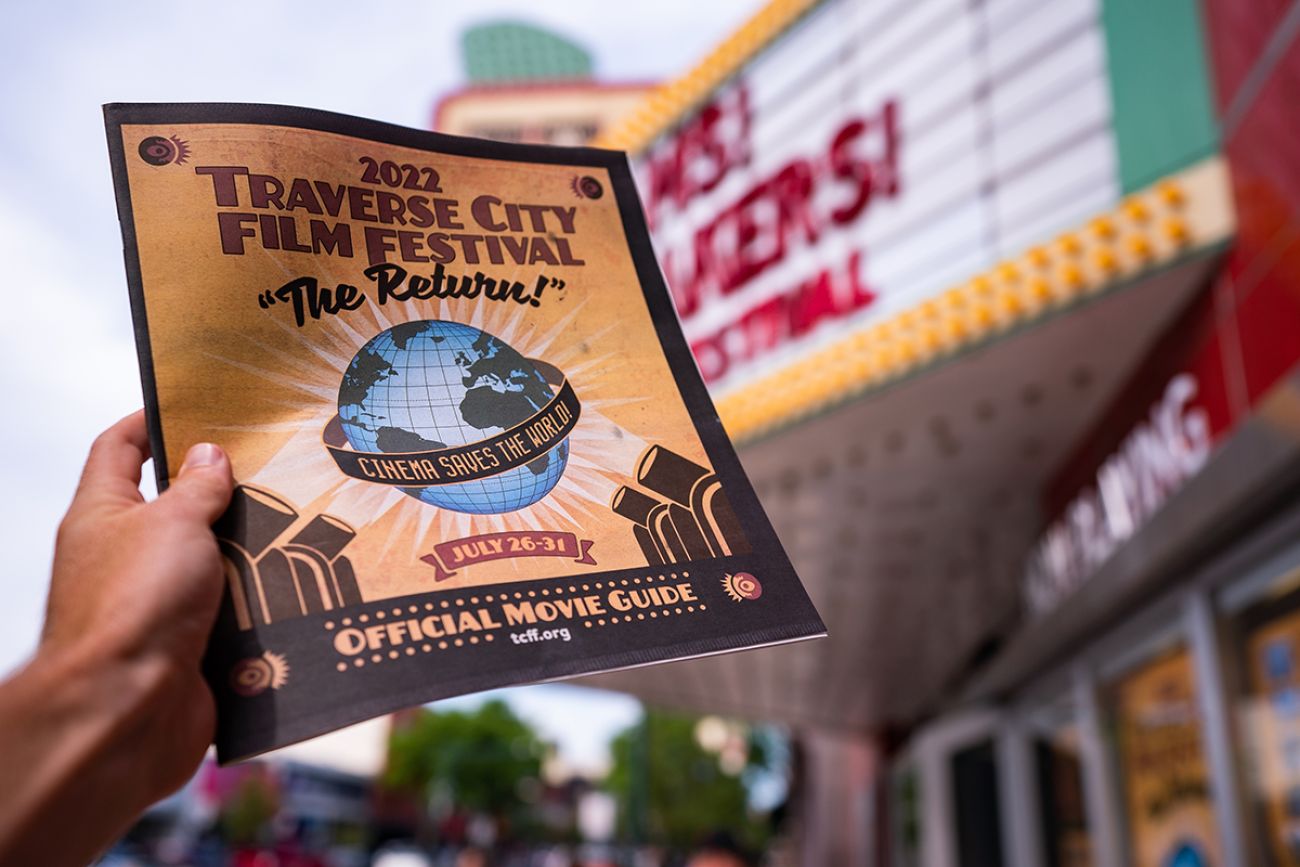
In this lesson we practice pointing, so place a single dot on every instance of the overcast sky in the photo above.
(67, 361)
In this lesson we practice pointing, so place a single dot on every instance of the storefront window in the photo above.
(975, 792)
(1168, 805)
(1270, 717)
(1066, 840)
(907, 818)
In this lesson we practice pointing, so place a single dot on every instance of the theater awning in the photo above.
(903, 465)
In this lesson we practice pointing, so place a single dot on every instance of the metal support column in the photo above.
(1225, 785)
(1017, 794)
(1100, 788)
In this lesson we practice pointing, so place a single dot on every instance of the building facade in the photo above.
(527, 84)
(1001, 302)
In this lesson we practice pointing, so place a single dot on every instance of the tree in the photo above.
(246, 815)
(484, 761)
(673, 791)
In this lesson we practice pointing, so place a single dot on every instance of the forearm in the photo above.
(114, 713)
(71, 729)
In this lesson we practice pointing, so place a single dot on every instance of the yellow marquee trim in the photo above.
(1148, 229)
(667, 103)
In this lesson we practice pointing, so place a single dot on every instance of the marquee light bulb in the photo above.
(1071, 275)
(982, 316)
(1176, 230)
(1069, 244)
(931, 338)
(1009, 304)
(1140, 247)
(1038, 257)
(954, 329)
(1171, 193)
(1136, 210)
(1040, 290)
(1105, 260)
(1103, 227)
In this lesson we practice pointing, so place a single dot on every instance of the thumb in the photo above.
(202, 488)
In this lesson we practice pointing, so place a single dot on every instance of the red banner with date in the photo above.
(450, 556)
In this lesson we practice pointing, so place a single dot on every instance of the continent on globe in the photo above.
(486, 407)
(367, 368)
(432, 384)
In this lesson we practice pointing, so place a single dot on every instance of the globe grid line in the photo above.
(583, 491)
(401, 396)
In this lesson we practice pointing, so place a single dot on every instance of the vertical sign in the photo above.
(1273, 718)
(1165, 779)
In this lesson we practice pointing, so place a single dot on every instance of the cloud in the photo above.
(67, 370)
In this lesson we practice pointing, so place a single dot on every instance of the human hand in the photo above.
(114, 701)
(139, 579)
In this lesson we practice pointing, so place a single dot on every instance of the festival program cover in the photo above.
(471, 446)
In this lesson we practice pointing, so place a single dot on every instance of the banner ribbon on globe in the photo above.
(413, 405)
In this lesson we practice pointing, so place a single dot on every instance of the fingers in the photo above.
(203, 487)
(116, 457)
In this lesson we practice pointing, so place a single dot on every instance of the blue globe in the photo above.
(430, 384)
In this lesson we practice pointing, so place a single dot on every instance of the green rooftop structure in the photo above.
(511, 51)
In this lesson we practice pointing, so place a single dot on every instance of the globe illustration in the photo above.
(431, 384)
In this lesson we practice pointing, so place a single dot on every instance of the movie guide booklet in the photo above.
(471, 446)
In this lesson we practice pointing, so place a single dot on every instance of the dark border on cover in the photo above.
(765, 545)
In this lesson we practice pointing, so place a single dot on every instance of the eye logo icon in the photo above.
(742, 585)
(587, 187)
(257, 674)
(159, 151)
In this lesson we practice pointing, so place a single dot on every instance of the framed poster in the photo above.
(1167, 799)
(1271, 717)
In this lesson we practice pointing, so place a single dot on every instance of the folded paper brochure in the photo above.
(471, 445)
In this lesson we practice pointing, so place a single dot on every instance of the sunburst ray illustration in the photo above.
(303, 470)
